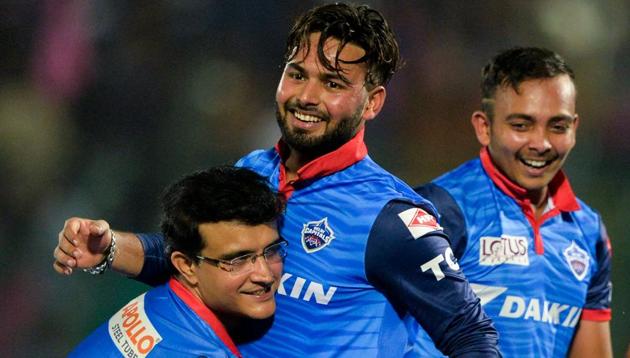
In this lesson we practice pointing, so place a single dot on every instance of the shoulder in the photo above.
(589, 220)
(372, 181)
(400, 222)
(257, 157)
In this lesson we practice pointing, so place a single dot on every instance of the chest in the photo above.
(501, 252)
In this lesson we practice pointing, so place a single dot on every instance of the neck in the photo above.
(244, 330)
(538, 199)
(294, 162)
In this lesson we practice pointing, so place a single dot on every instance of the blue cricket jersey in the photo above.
(536, 278)
(167, 321)
(367, 262)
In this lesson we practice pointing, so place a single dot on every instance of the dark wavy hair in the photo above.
(516, 65)
(359, 25)
(223, 193)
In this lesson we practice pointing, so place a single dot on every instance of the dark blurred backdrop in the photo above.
(104, 102)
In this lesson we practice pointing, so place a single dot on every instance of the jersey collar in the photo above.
(561, 197)
(195, 304)
(349, 153)
(560, 191)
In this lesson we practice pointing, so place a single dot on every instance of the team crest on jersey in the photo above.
(316, 235)
(419, 222)
(577, 259)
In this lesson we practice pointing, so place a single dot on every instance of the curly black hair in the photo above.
(359, 25)
(222, 193)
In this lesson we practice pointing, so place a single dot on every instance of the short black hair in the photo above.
(516, 65)
(223, 193)
(359, 25)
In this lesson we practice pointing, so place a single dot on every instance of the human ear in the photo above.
(376, 99)
(185, 266)
(481, 123)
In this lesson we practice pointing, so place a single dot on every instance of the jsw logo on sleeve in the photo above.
(307, 292)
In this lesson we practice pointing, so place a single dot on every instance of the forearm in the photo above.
(129, 257)
(592, 339)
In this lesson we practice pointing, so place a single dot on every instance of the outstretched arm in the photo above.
(82, 243)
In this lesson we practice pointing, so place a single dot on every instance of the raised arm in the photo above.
(85, 243)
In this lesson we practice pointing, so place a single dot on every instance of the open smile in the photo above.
(536, 164)
(304, 117)
(260, 292)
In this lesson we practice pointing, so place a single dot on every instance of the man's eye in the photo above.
(296, 76)
(333, 85)
(560, 128)
(239, 261)
(272, 250)
(519, 126)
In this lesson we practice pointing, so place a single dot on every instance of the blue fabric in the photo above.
(352, 285)
(155, 324)
(534, 300)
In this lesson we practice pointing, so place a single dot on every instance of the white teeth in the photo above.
(306, 117)
(535, 163)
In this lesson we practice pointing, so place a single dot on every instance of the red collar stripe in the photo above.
(351, 152)
(204, 313)
(559, 189)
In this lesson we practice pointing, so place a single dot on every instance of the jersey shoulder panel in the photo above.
(451, 216)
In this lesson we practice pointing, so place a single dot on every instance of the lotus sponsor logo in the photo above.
(506, 249)
(578, 260)
(316, 235)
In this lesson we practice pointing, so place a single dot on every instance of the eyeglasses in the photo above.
(273, 254)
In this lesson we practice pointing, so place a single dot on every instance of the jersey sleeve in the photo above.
(155, 270)
(409, 259)
(451, 216)
(598, 296)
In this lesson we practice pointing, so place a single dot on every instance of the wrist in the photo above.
(108, 260)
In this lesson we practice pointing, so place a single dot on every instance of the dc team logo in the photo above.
(419, 222)
(316, 235)
(578, 260)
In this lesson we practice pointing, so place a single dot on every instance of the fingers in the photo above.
(62, 269)
(67, 244)
(63, 262)
(98, 227)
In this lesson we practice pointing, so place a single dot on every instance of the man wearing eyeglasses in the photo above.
(226, 259)
(369, 265)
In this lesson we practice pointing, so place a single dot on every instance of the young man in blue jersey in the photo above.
(368, 262)
(226, 260)
(538, 257)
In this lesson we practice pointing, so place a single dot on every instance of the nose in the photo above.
(539, 140)
(309, 93)
(261, 271)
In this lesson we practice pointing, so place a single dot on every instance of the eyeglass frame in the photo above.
(250, 257)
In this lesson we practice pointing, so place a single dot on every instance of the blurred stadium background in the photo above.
(104, 102)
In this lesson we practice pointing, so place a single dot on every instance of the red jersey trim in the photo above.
(601, 315)
(204, 313)
(349, 153)
(560, 191)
